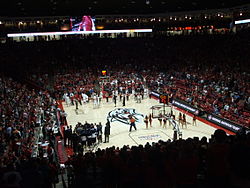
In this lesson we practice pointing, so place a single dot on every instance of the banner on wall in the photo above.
(185, 106)
(221, 122)
(224, 123)
(155, 94)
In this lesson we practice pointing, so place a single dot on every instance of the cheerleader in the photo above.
(146, 121)
(194, 120)
(150, 120)
(184, 122)
(164, 123)
(180, 120)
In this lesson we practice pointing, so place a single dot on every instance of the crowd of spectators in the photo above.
(27, 124)
(222, 161)
(222, 93)
(210, 72)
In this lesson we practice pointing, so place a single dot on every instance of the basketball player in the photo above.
(135, 97)
(139, 97)
(67, 99)
(114, 99)
(95, 100)
(127, 95)
(142, 94)
(79, 98)
(146, 93)
(98, 101)
(123, 100)
(76, 101)
(71, 95)
(120, 95)
(107, 96)
(85, 98)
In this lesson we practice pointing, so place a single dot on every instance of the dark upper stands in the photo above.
(76, 7)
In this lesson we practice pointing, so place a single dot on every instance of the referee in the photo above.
(132, 123)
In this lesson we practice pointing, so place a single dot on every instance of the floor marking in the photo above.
(129, 134)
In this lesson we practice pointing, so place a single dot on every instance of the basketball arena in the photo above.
(124, 93)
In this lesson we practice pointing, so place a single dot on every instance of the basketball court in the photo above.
(120, 134)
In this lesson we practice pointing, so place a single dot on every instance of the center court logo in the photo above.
(122, 115)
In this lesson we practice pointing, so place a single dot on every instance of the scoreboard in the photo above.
(164, 99)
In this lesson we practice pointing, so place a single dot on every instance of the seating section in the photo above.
(217, 83)
(27, 125)
(182, 163)
(209, 72)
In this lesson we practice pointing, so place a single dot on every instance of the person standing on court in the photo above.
(132, 123)
(180, 120)
(164, 122)
(76, 101)
(114, 99)
(67, 135)
(194, 120)
(123, 100)
(107, 132)
(107, 96)
(150, 119)
(146, 121)
(99, 132)
(184, 122)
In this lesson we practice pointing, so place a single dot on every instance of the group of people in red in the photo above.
(25, 115)
(217, 85)
(212, 74)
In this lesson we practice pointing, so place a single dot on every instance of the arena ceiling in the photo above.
(94, 7)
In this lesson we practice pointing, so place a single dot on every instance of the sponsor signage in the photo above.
(155, 94)
(185, 106)
(224, 123)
